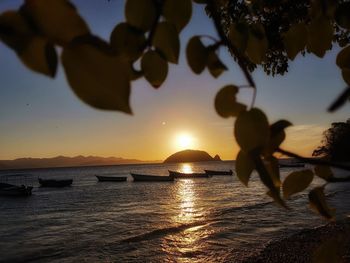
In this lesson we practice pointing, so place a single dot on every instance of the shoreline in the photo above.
(306, 244)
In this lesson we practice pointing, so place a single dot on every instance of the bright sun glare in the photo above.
(184, 141)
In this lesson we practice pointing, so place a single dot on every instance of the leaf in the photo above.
(155, 68)
(318, 203)
(343, 58)
(225, 102)
(346, 75)
(128, 41)
(324, 172)
(197, 55)
(238, 36)
(200, 1)
(40, 56)
(277, 134)
(244, 167)
(141, 14)
(96, 76)
(166, 40)
(252, 129)
(272, 167)
(320, 36)
(295, 40)
(56, 19)
(34, 51)
(215, 66)
(340, 101)
(178, 12)
(342, 15)
(257, 44)
(296, 182)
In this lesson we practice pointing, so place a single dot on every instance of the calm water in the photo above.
(192, 220)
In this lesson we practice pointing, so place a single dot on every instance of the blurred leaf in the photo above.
(238, 35)
(128, 41)
(340, 101)
(277, 134)
(166, 39)
(215, 66)
(318, 203)
(96, 76)
(343, 58)
(34, 51)
(324, 172)
(346, 75)
(252, 129)
(342, 15)
(56, 19)
(133, 73)
(295, 40)
(273, 168)
(225, 102)
(141, 14)
(155, 68)
(201, 1)
(296, 182)
(244, 167)
(40, 56)
(320, 36)
(257, 44)
(197, 55)
(178, 12)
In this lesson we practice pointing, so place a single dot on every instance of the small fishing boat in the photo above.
(55, 183)
(292, 165)
(212, 172)
(102, 178)
(151, 178)
(14, 190)
(188, 175)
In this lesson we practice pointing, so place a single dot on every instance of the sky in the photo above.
(41, 117)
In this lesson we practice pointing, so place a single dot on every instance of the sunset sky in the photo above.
(41, 117)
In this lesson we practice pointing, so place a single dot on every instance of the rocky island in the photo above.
(191, 156)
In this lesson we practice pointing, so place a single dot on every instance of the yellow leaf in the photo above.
(225, 102)
(155, 68)
(252, 130)
(320, 36)
(244, 167)
(215, 66)
(296, 182)
(127, 41)
(56, 19)
(318, 203)
(166, 40)
(96, 76)
(238, 35)
(141, 13)
(257, 44)
(197, 55)
(295, 40)
(178, 12)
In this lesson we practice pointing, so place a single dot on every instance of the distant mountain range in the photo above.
(63, 161)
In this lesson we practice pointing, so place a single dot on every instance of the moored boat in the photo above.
(102, 178)
(212, 172)
(14, 190)
(55, 183)
(188, 175)
(151, 178)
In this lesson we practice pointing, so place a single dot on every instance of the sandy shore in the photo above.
(308, 246)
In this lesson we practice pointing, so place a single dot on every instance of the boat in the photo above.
(151, 178)
(188, 175)
(14, 190)
(292, 165)
(212, 172)
(102, 178)
(55, 183)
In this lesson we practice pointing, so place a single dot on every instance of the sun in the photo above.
(184, 141)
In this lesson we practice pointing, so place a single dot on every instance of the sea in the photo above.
(213, 219)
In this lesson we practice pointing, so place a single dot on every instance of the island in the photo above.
(191, 156)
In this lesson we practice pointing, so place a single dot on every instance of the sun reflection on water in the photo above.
(186, 168)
